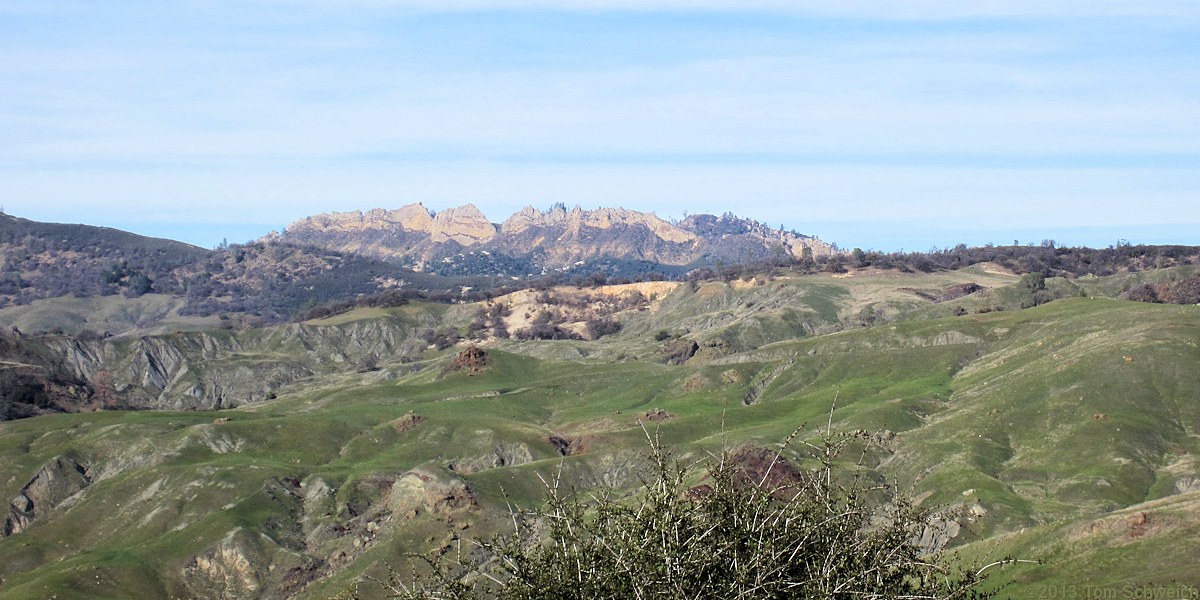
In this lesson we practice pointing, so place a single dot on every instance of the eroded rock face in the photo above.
(1185, 485)
(227, 569)
(562, 237)
(530, 217)
(938, 532)
(572, 223)
(504, 454)
(465, 225)
(207, 371)
(155, 363)
(420, 492)
(413, 217)
(56, 481)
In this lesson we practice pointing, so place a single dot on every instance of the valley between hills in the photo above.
(290, 417)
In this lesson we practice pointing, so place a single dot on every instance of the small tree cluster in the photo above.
(546, 326)
(1032, 287)
(440, 338)
(546, 331)
(489, 320)
(595, 310)
(1179, 291)
(601, 327)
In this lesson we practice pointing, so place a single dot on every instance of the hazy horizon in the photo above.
(894, 235)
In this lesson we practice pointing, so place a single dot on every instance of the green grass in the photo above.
(1053, 418)
(146, 315)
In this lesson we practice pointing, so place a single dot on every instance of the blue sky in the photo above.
(907, 124)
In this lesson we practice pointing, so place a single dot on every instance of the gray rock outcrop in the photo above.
(53, 484)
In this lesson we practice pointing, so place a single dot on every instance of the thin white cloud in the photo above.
(796, 105)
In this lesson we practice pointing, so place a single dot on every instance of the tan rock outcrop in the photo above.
(465, 225)
(602, 218)
(413, 217)
(228, 569)
(420, 491)
(525, 219)
(605, 218)
(553, 238)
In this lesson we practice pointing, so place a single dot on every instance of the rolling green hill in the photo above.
(1066, 432)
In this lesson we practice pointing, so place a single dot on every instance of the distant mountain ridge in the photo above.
(533, 241)
(40, 261)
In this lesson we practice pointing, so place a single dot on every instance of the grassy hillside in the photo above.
(1066, 431)
(150, 314)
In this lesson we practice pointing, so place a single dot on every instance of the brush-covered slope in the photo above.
(45, 260)
(76, 278)
(1066, 432)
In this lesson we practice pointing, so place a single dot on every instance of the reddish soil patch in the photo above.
(569, 446)
(407, 423)
(1137, 525)
(753, 466)
(472, 360)
(654, 415)
(960, 290)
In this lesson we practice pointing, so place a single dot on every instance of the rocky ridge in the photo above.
(532, 240)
